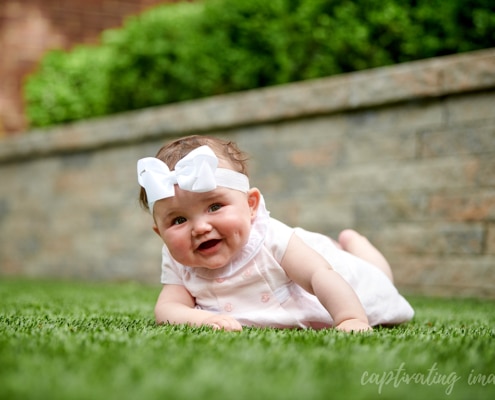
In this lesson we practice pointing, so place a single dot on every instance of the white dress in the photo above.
(255, 290)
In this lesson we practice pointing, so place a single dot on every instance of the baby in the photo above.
(227, 264)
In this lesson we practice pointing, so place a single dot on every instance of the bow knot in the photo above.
(196, 172)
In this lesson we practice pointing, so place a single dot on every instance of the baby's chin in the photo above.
(212, 267)
(207, 265)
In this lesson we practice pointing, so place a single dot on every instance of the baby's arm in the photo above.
(312, 272)
(175, 305)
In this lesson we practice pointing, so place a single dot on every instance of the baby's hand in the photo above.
(355, 325)
(223, 322)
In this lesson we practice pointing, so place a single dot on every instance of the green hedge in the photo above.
(185, 51)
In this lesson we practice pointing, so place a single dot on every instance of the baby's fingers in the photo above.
(224, 322)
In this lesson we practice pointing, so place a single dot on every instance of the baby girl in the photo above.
(227, 264)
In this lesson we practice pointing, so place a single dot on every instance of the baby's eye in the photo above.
(214, 207)
(178, 221)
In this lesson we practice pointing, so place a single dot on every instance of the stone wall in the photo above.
(405, 154)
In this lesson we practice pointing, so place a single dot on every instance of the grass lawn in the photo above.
(63, 340)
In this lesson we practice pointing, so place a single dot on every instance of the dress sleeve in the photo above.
(172, 271)
(277, 238)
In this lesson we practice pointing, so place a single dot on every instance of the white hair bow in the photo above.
(196, 172)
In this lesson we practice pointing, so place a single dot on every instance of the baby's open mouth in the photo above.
(209, 244)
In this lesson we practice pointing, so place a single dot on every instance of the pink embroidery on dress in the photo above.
(247, 273)
(265, 297)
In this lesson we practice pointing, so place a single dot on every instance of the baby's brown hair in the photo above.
(174, 151)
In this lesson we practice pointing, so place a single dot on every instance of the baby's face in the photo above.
(206, 229)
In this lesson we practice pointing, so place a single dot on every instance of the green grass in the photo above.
(61, 340)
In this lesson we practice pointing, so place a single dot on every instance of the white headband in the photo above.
(196, 172)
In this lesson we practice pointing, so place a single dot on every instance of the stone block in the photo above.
(396, 118)
(385, 143)
(490, 238)
(462, 140)
(388, 84)
(384, 208)
(470, 107)
(429, 238)
(419, 175)
(464, 74)
(327, 215)
(445, 276)
(463, 206)
(483, 171)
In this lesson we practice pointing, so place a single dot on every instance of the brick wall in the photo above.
(28, 28)
(405, 154)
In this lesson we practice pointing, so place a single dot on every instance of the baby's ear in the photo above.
(254, 196)
(155, 229)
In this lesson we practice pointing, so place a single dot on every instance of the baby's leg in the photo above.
(358, 245)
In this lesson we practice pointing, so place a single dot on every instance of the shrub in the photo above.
(191, 50)
(154, 52)
(69, 86)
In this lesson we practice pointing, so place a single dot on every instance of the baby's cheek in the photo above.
(177, 248)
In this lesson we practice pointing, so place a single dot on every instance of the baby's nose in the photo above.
(201, 226)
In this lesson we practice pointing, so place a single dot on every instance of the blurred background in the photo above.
(372, 114)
